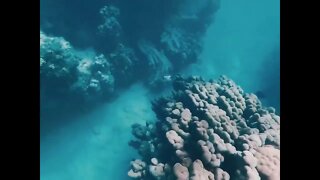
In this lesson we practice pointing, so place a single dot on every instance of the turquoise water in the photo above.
(242, 42)
(96, 146)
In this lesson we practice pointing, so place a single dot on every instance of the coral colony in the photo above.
(208, 130)
(154, 51)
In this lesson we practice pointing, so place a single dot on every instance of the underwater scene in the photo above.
(159, 89)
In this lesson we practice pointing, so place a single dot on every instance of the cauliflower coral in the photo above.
(208, 131)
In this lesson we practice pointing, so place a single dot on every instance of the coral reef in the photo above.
(180, 46)
(208, 130)
(111, 25)
(66, 72)
(94, 78)
(157, 63)
(124, 64)
(110, 31)
(182, 35)
(57, 62)
(163, 38)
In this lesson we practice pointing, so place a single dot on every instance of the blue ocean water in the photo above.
(242, 42)
(95, 146)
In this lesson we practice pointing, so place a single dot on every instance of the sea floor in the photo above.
(95, 147)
